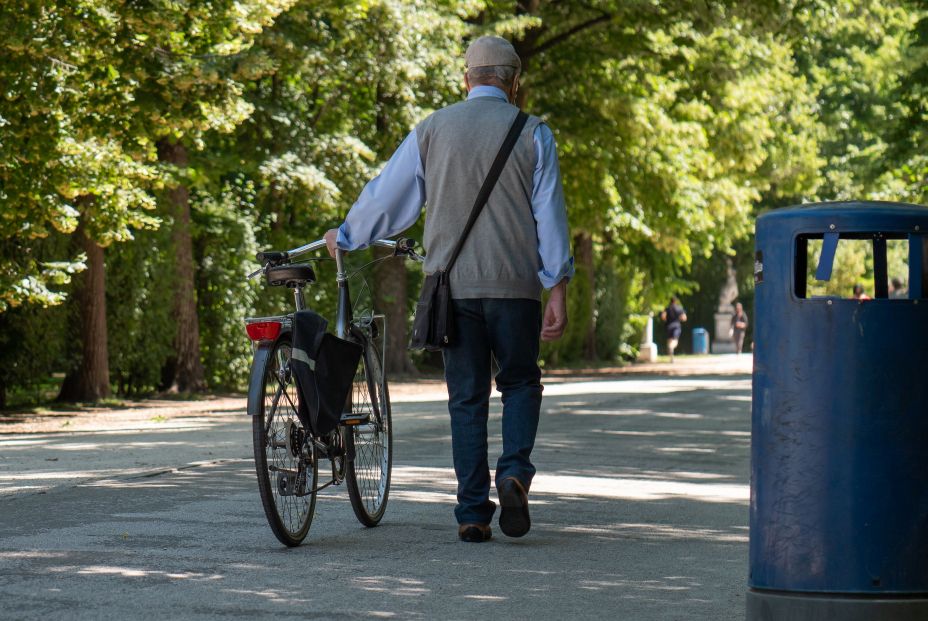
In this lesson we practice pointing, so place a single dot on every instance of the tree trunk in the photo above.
(390, 294)
(583, 247)
(188, 376)
(91, 380)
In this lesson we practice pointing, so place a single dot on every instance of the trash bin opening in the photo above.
(861, 266)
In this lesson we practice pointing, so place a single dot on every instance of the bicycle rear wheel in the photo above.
(368, 475)
(285, 462)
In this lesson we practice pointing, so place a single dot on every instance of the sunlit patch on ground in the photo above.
(597, 487)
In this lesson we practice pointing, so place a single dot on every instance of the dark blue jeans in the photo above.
(506, 330)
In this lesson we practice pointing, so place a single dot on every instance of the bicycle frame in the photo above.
(343, 313)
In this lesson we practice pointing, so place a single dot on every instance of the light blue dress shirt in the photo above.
(392, 201)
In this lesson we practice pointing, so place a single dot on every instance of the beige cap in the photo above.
(491, 52)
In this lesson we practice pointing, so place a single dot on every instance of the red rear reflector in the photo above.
(263, 330)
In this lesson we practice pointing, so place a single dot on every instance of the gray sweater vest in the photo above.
(457, 145)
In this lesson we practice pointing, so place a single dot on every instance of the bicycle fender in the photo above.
(256, 379)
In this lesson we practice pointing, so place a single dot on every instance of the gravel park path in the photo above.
(151, 511)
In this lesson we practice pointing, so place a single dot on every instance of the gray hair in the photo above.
(493, 75)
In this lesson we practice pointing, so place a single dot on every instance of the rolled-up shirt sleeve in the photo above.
(550, 212)
(390, 203)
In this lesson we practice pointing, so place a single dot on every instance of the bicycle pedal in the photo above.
(350, 419)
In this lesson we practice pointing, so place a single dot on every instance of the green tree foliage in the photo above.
(93, 87)
(909, 138)
(672, 124)
(855, 64)
(59, 141)
(244, 124)
(852, 58)
(320, 129)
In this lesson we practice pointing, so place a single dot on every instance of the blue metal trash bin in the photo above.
(839, 449)
(700, 341)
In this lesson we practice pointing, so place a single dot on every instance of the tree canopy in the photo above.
(179, 136)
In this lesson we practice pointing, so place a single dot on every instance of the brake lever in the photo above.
(260, 270)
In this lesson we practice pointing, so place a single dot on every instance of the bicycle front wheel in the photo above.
(285, 461)
(371, 443)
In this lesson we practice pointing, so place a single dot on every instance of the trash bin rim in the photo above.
(830, 209)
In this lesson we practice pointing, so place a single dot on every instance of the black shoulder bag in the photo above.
(433, 325)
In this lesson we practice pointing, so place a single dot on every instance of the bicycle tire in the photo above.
(368, 474)
(293, 462)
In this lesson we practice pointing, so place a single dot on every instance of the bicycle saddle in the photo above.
(290, 275)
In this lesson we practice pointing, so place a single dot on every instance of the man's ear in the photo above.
(514, 90)
(466, 83)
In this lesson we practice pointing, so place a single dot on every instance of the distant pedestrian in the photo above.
(739, 325)
(897, 290)
(673, 317)
(859, 293)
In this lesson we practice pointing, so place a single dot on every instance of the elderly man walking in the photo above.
(518, 245)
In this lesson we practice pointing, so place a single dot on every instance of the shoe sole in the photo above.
(514, 519)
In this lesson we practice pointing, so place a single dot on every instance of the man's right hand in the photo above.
(555, 319)
(331, 241)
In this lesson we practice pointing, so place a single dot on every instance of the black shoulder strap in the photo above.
(490, 182)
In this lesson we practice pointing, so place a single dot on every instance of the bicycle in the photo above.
(287, 456)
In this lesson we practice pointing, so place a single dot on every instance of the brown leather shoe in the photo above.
(514, 520)
(474, 533)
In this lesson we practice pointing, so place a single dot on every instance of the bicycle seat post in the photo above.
(298, 297)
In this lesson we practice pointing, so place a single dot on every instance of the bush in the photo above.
(32, 344)
(139, 310)
(224, 251)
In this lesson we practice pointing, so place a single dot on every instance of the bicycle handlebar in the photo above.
(401, 246)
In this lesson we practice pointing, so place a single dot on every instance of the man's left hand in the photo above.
(555, 318)
(331, 241)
